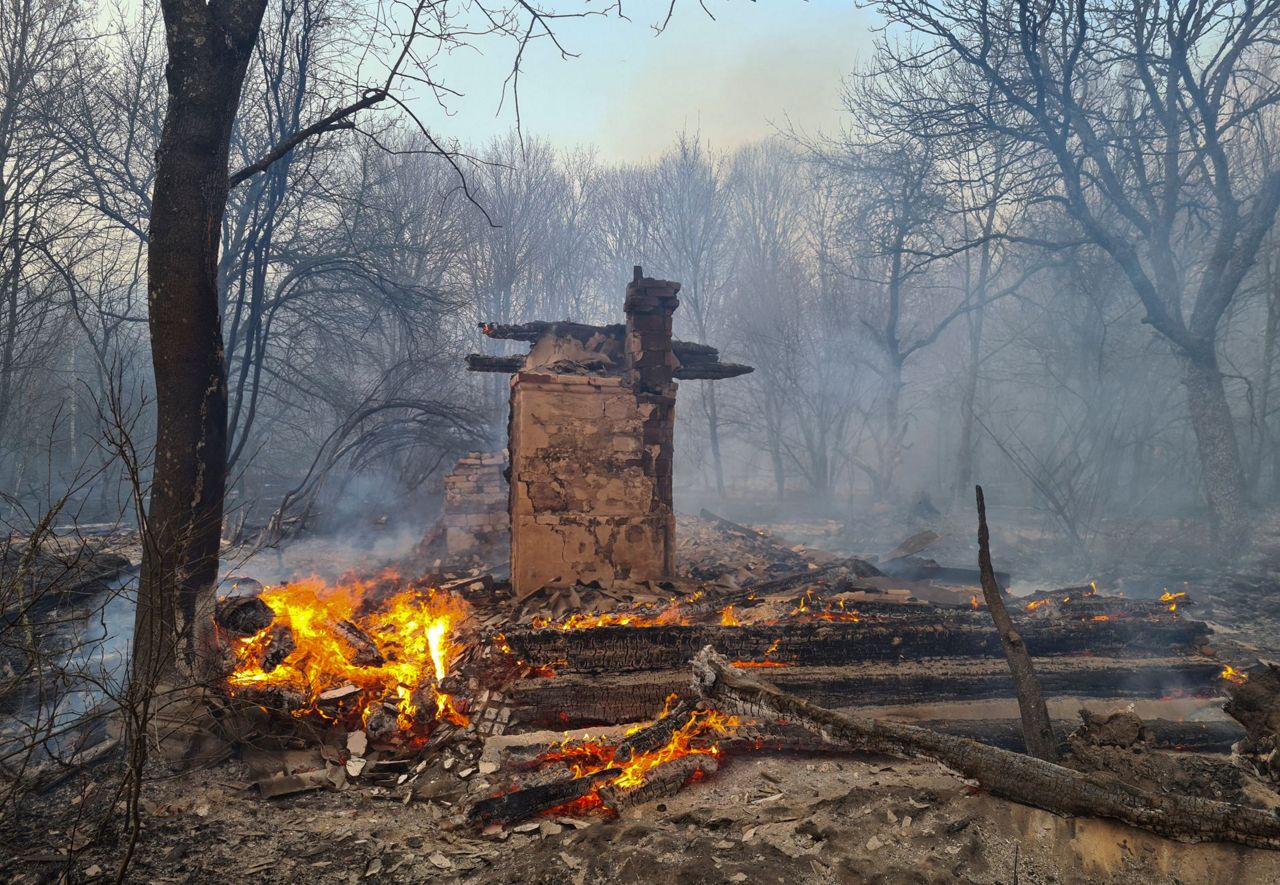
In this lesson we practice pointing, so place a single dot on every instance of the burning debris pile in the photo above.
(370, 654)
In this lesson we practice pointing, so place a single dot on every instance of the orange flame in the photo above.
(1036, 603)
(728, 618)
(413, 631)
(586, 756)
(1231, 674)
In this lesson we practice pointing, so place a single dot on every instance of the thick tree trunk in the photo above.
(209, 48)
(1221, 470)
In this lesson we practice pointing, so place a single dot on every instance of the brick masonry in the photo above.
(591, 459)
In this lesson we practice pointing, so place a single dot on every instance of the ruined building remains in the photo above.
(475, 505)
(591, 440)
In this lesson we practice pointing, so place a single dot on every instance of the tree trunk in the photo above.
(713, 433)
(1221, 471)
(968, 454)
(209, 48)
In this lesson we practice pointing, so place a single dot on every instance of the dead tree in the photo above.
(1036, 727)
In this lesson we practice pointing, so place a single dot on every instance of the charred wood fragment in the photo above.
(518, 805)
(364, 651)
(279, 646)
(655, 736)
(1023, 779)
(243, 615)
(659, 782)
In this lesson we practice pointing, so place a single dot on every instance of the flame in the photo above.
(973, 601)
(412, 630)
(1100, 618)
(644, 616)
(728, 618)
(1172, 598)
(587, 756)
(1232, 675)
(1036, 603)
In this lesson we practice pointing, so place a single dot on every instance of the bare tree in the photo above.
(1138, 113)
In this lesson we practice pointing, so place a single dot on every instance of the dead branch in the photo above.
(1023, 779)
(1036, 727)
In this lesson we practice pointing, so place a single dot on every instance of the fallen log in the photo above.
(520, 804)
(1023, 779)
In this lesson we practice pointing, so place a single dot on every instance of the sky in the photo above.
(759, 67)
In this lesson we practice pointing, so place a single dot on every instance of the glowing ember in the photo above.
(765, 662)
(411, 634)
(1231, 674)
(672, 615)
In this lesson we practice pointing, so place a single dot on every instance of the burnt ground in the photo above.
(766, 819)
(769, 818)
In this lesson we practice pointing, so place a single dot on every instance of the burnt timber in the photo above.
(577, 700)
(914, 632)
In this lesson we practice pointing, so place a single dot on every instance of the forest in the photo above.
(244, 259)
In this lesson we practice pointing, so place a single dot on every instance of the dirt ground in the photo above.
(767, 819)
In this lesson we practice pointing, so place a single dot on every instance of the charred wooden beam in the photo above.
(1023, 779)
(520, 804)
(711, 371)
(695, 371)
(574, 700)
(911, 569)
(655, 736)
(659, 782)
(910, 632)
(503, 365)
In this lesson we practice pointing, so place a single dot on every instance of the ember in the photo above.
(1231, 674)
(395, 651)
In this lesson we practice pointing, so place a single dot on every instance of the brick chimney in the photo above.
(649, 305)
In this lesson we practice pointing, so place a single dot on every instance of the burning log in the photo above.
(1254, 702)
(659, 782)
(279, 646)
(655, 736)
(1023, 779)
(520, 804)
(365, 651)
(1036, 727)
(243, 615)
